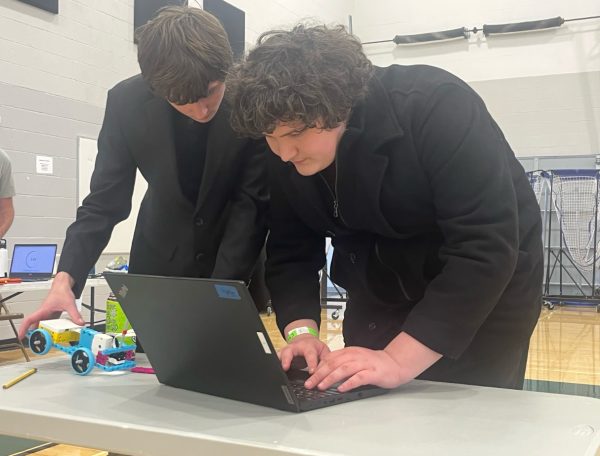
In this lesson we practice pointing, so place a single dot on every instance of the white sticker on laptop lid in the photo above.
(263, 341)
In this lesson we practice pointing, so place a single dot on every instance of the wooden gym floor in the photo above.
(564, 357)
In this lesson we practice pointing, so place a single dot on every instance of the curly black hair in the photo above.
(310, 74)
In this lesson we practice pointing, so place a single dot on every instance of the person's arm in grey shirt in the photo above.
(7, 191)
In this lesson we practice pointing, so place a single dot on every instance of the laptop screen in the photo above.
(33, 260)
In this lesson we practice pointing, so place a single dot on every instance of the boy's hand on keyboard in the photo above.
(306, 346)
(354, 367)
(403, 359)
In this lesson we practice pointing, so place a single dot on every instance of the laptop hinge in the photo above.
(288, 395)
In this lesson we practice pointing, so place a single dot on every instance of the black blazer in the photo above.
(220, 236)
(438, 234)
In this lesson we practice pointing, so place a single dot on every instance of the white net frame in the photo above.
(575, 198)
(540, 183)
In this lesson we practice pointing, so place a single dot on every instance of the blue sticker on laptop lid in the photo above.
(227, 292)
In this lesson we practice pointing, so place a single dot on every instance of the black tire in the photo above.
(40, 342)
(82, 361)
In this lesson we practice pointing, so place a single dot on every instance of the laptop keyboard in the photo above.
(312, 394)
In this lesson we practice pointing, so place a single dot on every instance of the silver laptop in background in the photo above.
(33, 262)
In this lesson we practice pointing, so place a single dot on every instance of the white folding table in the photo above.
(135, 415)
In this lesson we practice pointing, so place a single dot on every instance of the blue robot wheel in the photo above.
(83, 361)
(40, 341)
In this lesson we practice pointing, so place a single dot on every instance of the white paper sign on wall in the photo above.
(44, 164)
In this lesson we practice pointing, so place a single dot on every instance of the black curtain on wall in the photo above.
(48, 5)
(234, 22)
(144, 10)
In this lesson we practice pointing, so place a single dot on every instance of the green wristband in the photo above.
(301, 330)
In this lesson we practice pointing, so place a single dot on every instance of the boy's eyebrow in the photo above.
(215, 85)
(295, 130)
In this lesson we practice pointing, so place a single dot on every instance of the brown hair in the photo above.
(181, 51)
(313, 75)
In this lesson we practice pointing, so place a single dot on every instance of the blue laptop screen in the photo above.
(33, 259)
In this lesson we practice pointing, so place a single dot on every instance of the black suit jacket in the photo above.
(438, 234)
(220, 236)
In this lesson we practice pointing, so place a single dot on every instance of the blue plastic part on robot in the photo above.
(85, 341)
(125, 366)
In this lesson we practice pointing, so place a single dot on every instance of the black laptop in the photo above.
(32, 262)
(206, 335)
